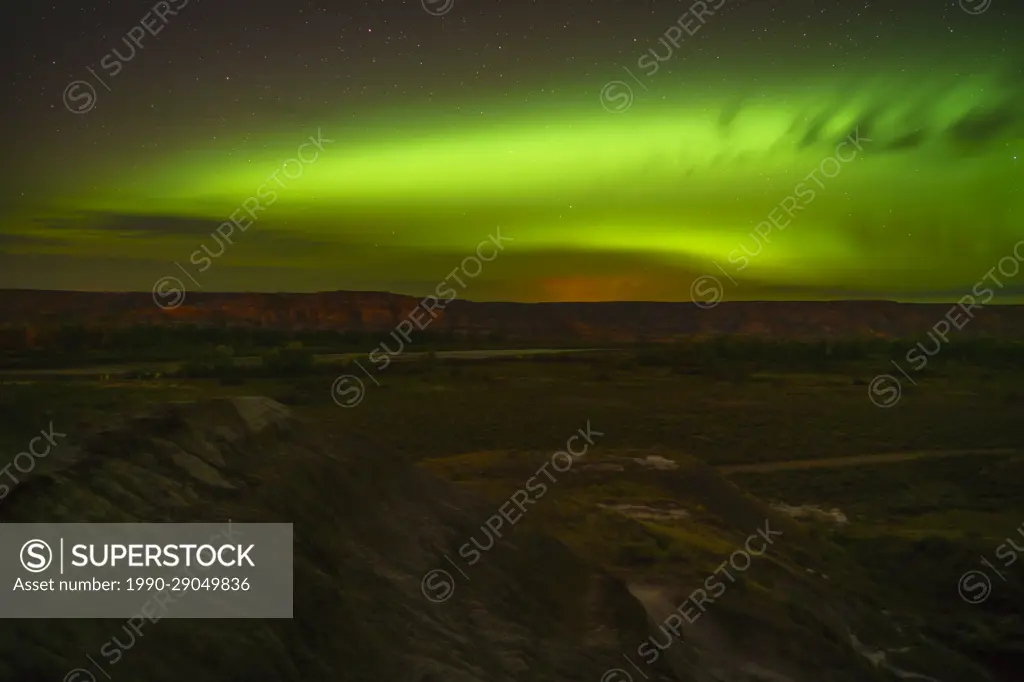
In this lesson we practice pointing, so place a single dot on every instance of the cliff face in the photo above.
(534, 322)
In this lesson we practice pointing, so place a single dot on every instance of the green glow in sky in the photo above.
(603, 205)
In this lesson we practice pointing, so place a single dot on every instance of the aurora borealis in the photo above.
(491, 115)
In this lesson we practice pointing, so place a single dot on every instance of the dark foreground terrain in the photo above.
(686, 460)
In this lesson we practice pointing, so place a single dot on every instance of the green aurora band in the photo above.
(614, 205)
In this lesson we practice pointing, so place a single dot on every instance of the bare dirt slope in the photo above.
(368, 527)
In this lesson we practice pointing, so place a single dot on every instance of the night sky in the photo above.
(437, 125)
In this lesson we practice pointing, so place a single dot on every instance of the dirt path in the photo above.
(706, 653)
(254, 360)
(856, 460)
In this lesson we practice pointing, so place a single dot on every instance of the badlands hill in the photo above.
(565, 596)
(590, 323)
